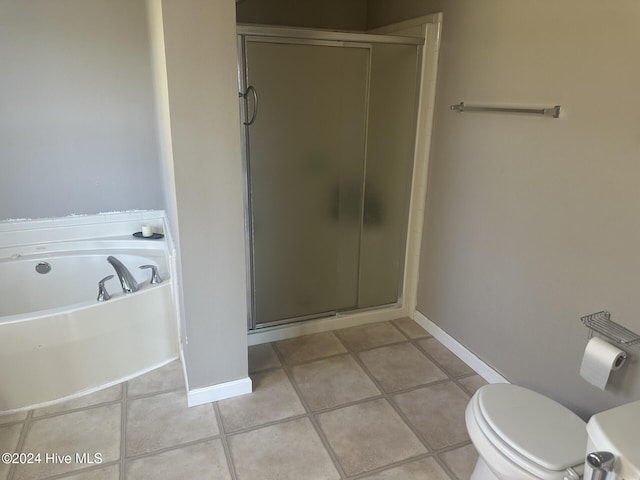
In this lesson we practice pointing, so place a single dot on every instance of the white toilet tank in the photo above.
(617, 431)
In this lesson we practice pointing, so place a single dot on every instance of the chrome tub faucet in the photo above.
(128, 282)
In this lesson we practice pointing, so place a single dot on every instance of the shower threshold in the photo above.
(334, 321)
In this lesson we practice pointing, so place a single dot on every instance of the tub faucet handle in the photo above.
(155, 278)
(103, 295)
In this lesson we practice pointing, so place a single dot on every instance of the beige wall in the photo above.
(384, 12)
(337, 14)
(77, 129)
(201, 65)
(533, 222)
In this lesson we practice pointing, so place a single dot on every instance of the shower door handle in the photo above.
(244, 95)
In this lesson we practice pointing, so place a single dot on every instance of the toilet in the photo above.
(523, 435)
(616, 431)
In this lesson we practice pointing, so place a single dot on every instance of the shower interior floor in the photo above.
(378, 401)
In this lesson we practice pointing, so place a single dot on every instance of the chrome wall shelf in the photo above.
(601, 323)
(550, 111)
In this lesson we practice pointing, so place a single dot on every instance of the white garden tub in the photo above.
(58, 341)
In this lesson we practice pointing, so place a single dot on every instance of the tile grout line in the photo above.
(30, 419)
(312, 415)
(122, 400)
(433, 453)
(127, 459)
(454, 378)
(445, 465)
(437, 452)
(415, 431)
(170, 448)
(21, 440)
(305, 362)
(388, 397)
(440, 461)
(308, 411)
(313, 420)
(154, 393)
(384, 468)
(76, 410)
(265, 425)
(225, 442)
(325, 442)
(462, 387)
(366, 349)
(397, 327)
(123, 429)
(64, 475)
(430, 452)
(384, 394)
(432, 358)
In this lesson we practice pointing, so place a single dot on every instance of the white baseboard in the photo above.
(468, 357)
(200, 396)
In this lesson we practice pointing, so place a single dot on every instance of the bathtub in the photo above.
(57, 341)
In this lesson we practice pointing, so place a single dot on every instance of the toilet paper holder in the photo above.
(601, 323)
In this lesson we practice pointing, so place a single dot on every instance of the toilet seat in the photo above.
(517, 430)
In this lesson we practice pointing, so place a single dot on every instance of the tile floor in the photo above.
(382, 401)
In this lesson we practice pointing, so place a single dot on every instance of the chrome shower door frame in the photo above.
(305, 37)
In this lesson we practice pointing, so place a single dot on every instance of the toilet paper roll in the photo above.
(599, 360)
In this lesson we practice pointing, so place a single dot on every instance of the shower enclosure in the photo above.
(329, 128)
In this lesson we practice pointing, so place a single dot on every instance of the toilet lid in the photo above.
(534, 426)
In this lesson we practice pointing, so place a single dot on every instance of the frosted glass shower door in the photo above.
(390, 149)
(306, 161)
